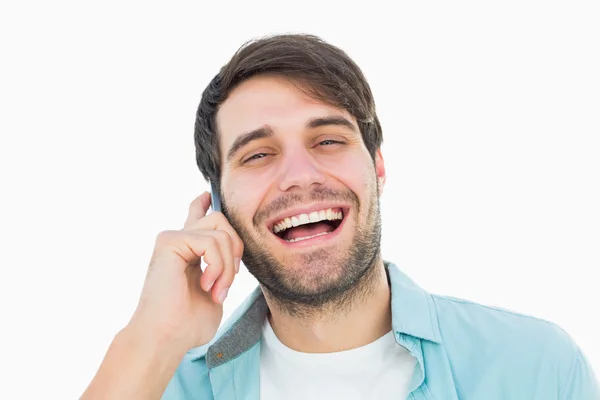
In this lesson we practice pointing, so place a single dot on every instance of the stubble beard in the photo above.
(323, 281)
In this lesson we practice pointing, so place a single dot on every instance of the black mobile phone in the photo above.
(215, 199)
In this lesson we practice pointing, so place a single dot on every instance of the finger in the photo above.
(212, 273)
(198, 208)
(214, 257)
(222, 286)
(225, 278)
(187, 247)
(217, 221)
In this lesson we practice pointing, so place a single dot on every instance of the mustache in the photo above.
(292, 199)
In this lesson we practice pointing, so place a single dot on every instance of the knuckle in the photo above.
(221, 218)
(223, 235)
(211, 240)
(165, 236)
(239, 245)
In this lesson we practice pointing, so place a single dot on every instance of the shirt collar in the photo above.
(413, 314)
(413, 311)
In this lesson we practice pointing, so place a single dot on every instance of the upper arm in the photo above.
(581, 382)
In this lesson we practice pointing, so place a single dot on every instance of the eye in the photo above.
(255, 157)
(329, 142)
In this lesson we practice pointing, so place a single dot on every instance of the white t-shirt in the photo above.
(379, 370)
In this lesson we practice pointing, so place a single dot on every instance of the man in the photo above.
(288, 133)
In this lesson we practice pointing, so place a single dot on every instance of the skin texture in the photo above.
(324, 296)
(293, 168)
(180, 306)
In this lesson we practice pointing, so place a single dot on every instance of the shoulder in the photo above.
(191, 379)
(499, 327)
(495, 322)
(504, 343)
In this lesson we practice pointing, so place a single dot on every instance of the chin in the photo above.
(313, 270)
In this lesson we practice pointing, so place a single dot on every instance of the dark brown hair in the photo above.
(323, 71)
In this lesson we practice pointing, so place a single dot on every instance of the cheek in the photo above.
(355, 174)
(245, 193)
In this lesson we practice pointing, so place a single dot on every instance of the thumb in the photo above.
(198, 208)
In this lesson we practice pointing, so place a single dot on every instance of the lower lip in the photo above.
(317, 239)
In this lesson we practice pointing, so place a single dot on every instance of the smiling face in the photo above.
(300, 188)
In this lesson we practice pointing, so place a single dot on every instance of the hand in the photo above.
(178, 300)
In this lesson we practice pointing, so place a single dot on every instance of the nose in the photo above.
(300, 169)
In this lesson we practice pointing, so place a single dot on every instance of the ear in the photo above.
(380, 170)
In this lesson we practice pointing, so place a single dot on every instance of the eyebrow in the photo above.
(327, 121)
(267, 131)
(246, 138)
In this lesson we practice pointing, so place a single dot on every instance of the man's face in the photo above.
(300, 188)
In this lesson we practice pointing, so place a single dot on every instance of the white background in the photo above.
(490, 112)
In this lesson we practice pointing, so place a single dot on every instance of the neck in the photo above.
(359, 318)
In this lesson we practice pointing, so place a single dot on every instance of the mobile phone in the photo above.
(215, 199)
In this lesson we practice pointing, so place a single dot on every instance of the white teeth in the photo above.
(286, 223)
(307, 237)
(301, 219)
(314, 216)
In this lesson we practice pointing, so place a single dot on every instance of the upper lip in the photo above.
(305, 210)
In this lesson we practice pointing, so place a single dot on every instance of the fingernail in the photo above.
(237, 264)
(223, 295)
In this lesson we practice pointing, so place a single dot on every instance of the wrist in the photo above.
(152, 341)
(139, 364)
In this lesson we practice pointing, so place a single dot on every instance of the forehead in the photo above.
(269, 100)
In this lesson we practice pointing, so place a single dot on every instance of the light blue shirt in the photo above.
(464, 351)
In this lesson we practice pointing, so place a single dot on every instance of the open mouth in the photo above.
(303, 227)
